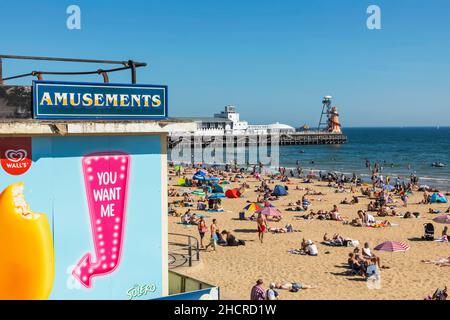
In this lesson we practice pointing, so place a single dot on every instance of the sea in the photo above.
(400, 151)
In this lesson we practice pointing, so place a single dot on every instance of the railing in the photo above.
(130, 64)
(182, 252)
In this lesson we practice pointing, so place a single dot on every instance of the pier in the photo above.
(291, 139)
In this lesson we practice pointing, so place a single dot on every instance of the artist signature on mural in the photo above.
(140, 290)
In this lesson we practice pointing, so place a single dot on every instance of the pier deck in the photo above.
(297, 138)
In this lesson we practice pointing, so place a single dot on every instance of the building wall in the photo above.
(57, 184)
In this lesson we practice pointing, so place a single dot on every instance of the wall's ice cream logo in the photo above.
(15, 155)
(106, 179)
(27, 264)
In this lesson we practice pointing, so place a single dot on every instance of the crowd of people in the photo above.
(387, 197)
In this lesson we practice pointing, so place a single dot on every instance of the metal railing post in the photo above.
(198, 251)
(132, 66)
(104, 75)
(190, 252)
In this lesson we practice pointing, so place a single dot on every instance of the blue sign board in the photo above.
(76, 100)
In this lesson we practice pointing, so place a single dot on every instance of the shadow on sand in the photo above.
(245, 230)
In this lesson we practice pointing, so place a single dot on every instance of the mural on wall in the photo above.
(106, 181)
(27, 265)
(100, 233)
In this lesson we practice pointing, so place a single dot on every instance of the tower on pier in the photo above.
(329, 119)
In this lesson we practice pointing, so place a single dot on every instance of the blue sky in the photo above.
(274, 60)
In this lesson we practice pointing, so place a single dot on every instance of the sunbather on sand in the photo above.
(310, 192)
(295, 209)
(381, 224)
(288, 228)
(438, 295)
(291, 286)
(439, 262)
(336, 240)
(356, 222)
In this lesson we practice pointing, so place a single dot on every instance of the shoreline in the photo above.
(444, 187)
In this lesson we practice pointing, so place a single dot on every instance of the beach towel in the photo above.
(382, 225)
(442, 239)
(333, 243)
(297, 251)
(294, 210)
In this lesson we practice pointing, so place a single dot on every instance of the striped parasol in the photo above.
(269, 211)
(442, 219)
(392, 246)
(252, 207)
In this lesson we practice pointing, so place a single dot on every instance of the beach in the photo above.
(236, 269)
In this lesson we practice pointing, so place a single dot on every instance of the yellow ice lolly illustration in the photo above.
(27, 264)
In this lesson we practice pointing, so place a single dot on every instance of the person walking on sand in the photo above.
(404, 198)
(202, 229)
(258, 292)
(262, 226)
(214, 235)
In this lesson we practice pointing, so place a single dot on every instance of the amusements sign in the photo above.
(76, 100)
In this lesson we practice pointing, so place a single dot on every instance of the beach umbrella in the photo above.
(213, 178)
(388, 187)
(199, 193)
(233, 193)
(252, 207)
(198, 177)
(392, 246)
(266, 204)
(178, 168)
(438, 198)
(442, 219)
(269, 211)
(216, 196)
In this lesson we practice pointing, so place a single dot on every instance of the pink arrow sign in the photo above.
(106, 180)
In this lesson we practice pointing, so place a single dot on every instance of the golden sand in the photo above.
(235, 269)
